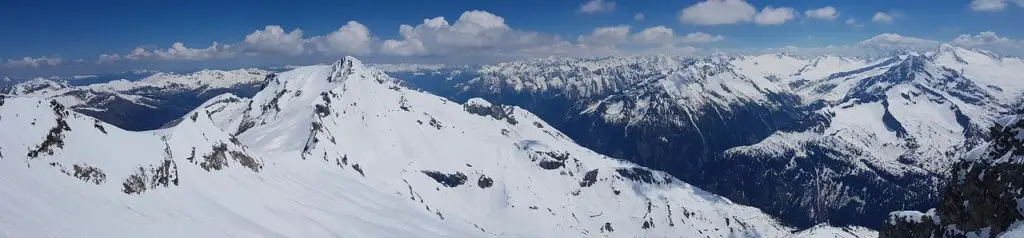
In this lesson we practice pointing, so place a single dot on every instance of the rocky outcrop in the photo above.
(984, 195)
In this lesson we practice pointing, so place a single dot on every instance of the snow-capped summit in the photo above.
(1001, 76)
(202, 80)
(339, 144)
(148, 103)
(38, 86)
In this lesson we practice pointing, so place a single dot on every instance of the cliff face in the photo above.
(984, 197)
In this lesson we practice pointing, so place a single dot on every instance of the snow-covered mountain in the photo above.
(339, 150)
(984, 194)
(874, 135)
(148, 103)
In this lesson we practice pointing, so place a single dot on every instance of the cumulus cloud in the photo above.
(108, 58)
(991, 41)
(718, 12)
(352, 38)
(274, 39)
(33, 62)
(993, 5)
(774, 16)
(661, 35)
(139, 53)
(825, 13)
(639, 17)
(891, 41)
(608, 35)
(881, 17)
(724, 12)
(473, 32)
(701, 37)
(597, 6)
(178, 51)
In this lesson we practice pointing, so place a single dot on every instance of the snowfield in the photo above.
(339, 150)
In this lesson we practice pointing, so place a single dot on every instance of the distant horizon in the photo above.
(874, 54)
(79, 38)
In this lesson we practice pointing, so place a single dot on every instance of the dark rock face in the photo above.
(484, 181)
(448, 180)
(913, 226)
(163, 175)
(89, 174)
(983, 193)
(589, 178)
(217, 159)
(55, 137)
(497, 112)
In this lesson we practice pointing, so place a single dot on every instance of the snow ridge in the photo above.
(338, 144)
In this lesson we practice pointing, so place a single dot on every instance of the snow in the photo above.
(342, 151)
(478, 102)
(1006, 74)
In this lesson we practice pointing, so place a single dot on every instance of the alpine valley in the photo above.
(806, 139)
(340, 150)
(771, 145)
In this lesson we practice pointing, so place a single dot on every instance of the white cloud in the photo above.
(108, 58)
(993, 5)
(597, 6)
(853, 22)
(352, 38)
(661, 35)
(655, 35)
(475, 32)
(178, 51)
(33, 62)
(774, 16)
(701, 37)
(990, 41)
(273, 39)
(639, 17)
(988, 5)
(891, 41)
(403, 48)
(139, 53)
(881, 17)
(825, 13)
(724, 12)
(718, 12)
(609, 35)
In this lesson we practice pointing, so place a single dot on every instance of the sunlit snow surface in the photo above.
(340, 150)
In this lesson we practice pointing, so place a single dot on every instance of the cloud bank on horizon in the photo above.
(479, 36)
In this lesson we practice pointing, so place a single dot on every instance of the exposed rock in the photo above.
(983, 196)
(589, 178)
(497, 112)
(89, 174)
(448, 180)
(484, 181)
(55, 137)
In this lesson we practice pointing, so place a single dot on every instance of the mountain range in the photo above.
(808, 139)
(760, 145)
(340, 150)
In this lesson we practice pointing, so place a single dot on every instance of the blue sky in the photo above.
(62, 37)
